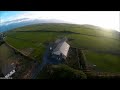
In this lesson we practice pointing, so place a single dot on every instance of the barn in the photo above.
(8, 70)
(60, 50)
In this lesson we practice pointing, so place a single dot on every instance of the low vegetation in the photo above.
(103, 62)
(8, 56)
(61, 72)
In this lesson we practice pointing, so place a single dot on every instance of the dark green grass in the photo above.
(79, 40)
(100, 43)
(61, 71)
(104, 62)
(85, 29)
(20, 44)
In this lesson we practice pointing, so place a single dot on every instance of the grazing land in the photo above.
(102, 47)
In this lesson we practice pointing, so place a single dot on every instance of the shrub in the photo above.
(62, 72)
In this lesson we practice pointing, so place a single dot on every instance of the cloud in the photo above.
(1, 20)
(106, 19)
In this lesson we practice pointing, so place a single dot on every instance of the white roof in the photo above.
(10, 74)
(62, 48)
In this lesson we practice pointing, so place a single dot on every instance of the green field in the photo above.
(85, 29)
(37, 41)
(5, 55)
(107, 41)
(100, 43)
(104, 62)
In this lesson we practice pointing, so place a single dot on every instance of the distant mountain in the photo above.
(25, 21)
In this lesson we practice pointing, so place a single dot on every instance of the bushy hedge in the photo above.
(102, 75)
(61, 72)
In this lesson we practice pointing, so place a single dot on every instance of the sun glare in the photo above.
(105, 19)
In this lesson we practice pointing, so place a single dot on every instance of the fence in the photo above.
(18, 52)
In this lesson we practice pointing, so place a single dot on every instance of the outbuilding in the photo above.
(60, 51)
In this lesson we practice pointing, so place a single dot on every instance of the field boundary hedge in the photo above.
(70, 32)
(18, 52)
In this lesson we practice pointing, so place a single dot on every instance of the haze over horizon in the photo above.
(104, 19)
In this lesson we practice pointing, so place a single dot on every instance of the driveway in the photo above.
(38, 67)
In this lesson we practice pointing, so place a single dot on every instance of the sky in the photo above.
(104, 19)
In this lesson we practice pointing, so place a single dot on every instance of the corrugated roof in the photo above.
(62, 48)
(7, 68)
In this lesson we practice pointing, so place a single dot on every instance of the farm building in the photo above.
(60, 50)
(8, 70)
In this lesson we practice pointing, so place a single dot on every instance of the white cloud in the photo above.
(1, 20)
(105, 19)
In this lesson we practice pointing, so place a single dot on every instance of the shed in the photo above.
(8, 70)
(61, 49)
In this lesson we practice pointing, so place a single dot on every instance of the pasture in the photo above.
(106, 42)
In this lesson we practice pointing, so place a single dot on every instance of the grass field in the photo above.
(104, 62)
(5, 54)
(100, 43)
(38, 40)
(85, 29)
(38, 47)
